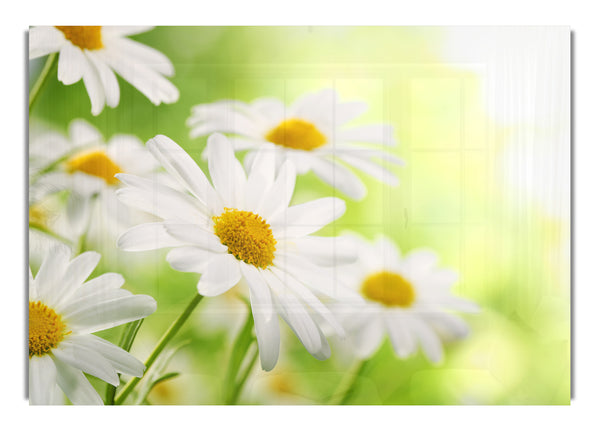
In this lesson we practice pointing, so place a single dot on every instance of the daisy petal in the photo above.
(450, 325)
(107, 78)
(107, 281)
(459, 304)
(189, 259)
(51, 271)
(44, 40)
(141, 53)
(181, 166)
(304, 219)
(428, 339)
(419, 260)
(222, 273)
(267, 336)
(147, 236)
(371, 168)
(71, 63)
(386, 251)
(372, 133)
(92, 315)
(339, 177)
(94, 88)
(77, 272)
(348, 111)
(221, 117)
(225, 170)
(150, 83)
(295, 314)
(309, 299)
(74, 384)
(321, 279)
(279, 196)
(122, 361)
(399, 328)
(125, 30)
(188, 233)
(272, 110)
(82, 133)
(86, 360)
(323, 251)
(260, 295)
(42, 380)
(162, 201)
(368, 338)
(263, 164)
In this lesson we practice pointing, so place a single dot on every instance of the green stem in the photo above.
(129, 333)
(81, 242)
(240, 384)
(49, 233)
(42, 79)
(239, 351)
(162, 343)
(349, 385)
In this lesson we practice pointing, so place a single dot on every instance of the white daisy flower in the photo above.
(85, 165)
(310, 133)
(241, 227)
(95, 53)
(64, 311)
(406, 297)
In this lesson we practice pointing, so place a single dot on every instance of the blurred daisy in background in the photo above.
(241, 227)
(85, 166)
(408, 298)
(310, 133)
(64, 311)
(95, 53)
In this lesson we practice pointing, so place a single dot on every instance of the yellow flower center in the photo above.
(247, 236)
(96, 163)
(38, 216)
(46, 329)
(297, 134)
(85, 37)
(388, 288)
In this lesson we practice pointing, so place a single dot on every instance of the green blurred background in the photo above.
(456, 196)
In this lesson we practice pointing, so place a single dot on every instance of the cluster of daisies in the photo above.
(233, 225)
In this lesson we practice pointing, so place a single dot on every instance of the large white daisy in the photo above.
(64, 311)
(85, 165)
(95, 53)
(311, 133)
(241, 227)
(408, 298)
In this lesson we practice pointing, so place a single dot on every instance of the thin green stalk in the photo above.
(239, 351)
(81, 243)
(42, 79)
(349, 384)
(162, 343)
(240, 384)
(127, 337)
(49, 233)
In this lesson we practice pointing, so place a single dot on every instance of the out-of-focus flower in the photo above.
(407, 297)
(95, 53)
(85, 165)
(64, 311)
(310, 133)
(242, 228)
